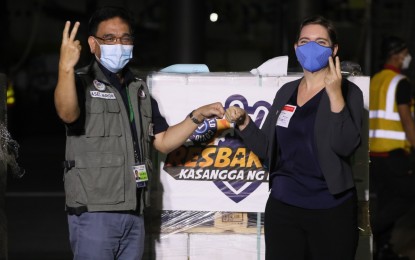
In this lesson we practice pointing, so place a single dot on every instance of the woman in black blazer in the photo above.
(310, 133)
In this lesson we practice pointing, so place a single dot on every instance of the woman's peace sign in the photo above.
(333, 81)
(333, 77)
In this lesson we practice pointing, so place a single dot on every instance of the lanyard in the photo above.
(130, 105)
(138, 157)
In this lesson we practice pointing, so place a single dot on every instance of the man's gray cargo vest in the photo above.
(101, 178)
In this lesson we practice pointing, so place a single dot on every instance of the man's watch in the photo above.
(194, 119)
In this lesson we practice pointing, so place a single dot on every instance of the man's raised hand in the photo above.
(70, 48)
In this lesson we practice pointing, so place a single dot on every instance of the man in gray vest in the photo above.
(111, 123)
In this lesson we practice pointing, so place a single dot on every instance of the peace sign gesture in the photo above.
(333, 77)
(333, 81)
(70, 48)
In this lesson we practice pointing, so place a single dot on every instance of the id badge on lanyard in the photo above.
(140, 174)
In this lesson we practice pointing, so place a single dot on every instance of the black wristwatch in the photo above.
(194, 119)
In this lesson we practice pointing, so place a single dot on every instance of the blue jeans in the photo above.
(106, 236)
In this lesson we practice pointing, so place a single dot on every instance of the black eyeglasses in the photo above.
(126, 39)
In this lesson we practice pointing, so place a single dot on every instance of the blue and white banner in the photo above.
(214, 171)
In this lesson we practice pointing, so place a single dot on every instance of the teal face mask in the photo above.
(312, 56)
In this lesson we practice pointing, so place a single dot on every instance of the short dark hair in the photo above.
(106, 13)
(392, 45)
(320, 20)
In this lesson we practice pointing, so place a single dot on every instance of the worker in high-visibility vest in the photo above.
(10, 95)
(392, 139)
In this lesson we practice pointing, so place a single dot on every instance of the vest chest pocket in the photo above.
(103, 118)
(113, 119)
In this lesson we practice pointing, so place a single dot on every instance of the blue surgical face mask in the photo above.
(115, 57)
(312, 56)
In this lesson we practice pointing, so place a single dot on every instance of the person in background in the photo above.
(403, 236)
(111, 123)
(392, 139)
(308, 138)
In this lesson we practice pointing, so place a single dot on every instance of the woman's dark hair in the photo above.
(106, 13)
(320, 20)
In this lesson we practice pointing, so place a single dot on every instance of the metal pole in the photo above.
(3, 171)
(186, 30)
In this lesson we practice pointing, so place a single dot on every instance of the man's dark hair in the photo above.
(320, 20)
(392, 45)
(106, 13)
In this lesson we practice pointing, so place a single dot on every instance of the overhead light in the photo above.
(214, 17)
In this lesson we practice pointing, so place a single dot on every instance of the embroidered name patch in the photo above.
(104, 95)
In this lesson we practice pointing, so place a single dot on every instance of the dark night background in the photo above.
(247, 33)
